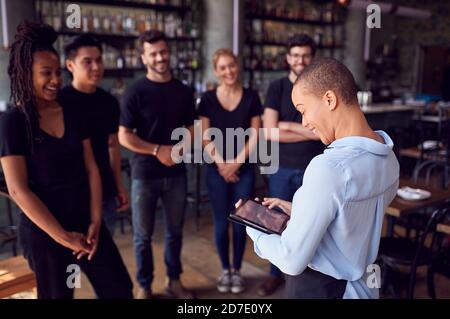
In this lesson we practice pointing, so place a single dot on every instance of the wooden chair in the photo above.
(396, 253)
(15, 276)
(8, 233)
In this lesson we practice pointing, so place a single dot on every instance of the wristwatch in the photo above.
(155, 150)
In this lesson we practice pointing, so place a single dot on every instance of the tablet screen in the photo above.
(270, 219)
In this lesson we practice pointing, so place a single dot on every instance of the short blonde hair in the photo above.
(223, 52)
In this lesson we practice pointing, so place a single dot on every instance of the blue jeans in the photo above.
(144, 197)
(283, 184)
(110, 215)
(223, 196)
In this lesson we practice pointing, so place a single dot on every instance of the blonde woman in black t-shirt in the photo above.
(51, 174)
(231, 176)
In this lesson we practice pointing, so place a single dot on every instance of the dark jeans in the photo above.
(49, 261)
(144, 197)
(110, 215)
(283, 184)
(223, 196)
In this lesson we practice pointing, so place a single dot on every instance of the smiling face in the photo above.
(87, 66)
(156, 57)
(227, 69)
(298, 58)
(46, 75)
(316, 111)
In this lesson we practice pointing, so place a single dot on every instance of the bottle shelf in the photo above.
(266, 17)
(104, 36)
(138, 5)
(266, 70)
(283, 44)
(130, 72)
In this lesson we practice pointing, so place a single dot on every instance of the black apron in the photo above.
(312, 284)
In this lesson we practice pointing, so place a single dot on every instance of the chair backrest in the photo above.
(438, 216)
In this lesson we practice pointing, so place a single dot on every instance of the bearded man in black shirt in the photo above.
(152, 108)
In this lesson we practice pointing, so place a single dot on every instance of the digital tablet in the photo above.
(258, 216)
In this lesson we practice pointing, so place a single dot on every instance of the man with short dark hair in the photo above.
(337, 214)
(100, 110)
(152, 108)
(297, 144)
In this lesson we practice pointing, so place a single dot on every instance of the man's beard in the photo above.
(297, 73)
(155, 69)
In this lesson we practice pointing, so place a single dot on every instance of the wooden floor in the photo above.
(202, 267)
(201, 264)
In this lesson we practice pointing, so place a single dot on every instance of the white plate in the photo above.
(413, 194)
(429, 145)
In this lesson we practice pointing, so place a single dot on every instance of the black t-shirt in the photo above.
(154, 110)
(55, 168)
(100, 111)
(248, 107)
(292, 155)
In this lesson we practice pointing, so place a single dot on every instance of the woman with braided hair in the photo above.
(51, 174)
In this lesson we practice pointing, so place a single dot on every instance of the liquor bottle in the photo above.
(85, 23)
(97, 23)
(56, 18)
(194, 61)
(106, 56)
(134, 58)
(125, 28)
(160, 22)
(318, 37)
(90, 22)
(194, 30)
(153, 22)
(179, 26)
(141, 23)
(170, 26)
(173, 60)
(148, 22)
(114, 24)
(46, 13)
(127, 56)
(132, 23)
(176, 3)
(328, 14)
(120, 61)
(106, 23)
(119, 24)
(181, 60)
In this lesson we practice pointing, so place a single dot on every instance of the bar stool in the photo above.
(8, 233)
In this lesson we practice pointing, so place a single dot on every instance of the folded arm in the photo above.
(289, 132)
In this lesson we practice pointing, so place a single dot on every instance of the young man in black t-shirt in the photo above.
(298, 145)
(151, 109)
(100, 111)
